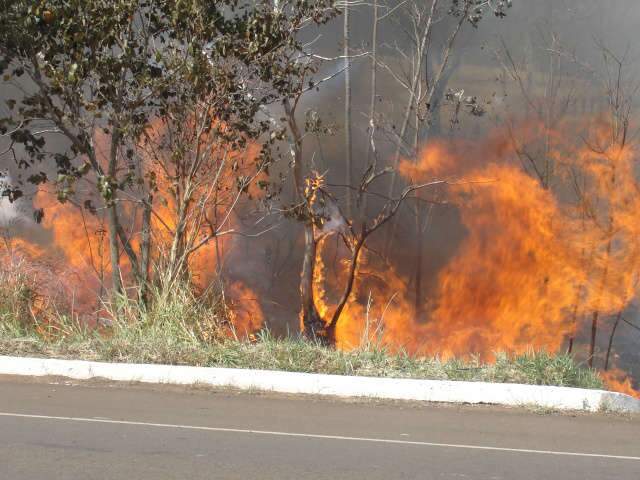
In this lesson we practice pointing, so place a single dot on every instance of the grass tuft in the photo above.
(181, 329)
(172, 343)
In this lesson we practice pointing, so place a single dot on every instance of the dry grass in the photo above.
(182, 329)
(171, 344)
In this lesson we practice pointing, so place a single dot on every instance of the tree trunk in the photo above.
(419, 247)
(594, 333)
(145, 248)
(371, 151)
(114, 250)
(114, 226)
(596, 311)
(312, 325)
(613, 332)
(310, 322)
(574, 322)
(353, 268)
(178, 267)
(347, 108)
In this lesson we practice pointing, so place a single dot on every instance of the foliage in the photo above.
(476, 9)
(99, 74)
(115, 65)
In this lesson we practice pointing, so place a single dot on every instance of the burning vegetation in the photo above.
(189, 176)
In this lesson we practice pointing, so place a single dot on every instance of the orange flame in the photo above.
(535, 262)
(74, 243)
(618, 381)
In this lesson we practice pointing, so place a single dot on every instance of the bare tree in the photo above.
(429, 65)
(199, 172)
(605, 194)
(355, 237)
(620, 103)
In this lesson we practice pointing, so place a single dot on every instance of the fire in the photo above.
(617, 380)
(216, 189)
(79, 247)
(538, 264)
(535, 266)
(246, 312)
(72, 244)
(514, 280)
(60, 256)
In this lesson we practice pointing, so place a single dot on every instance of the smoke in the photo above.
(14, 216)
(8, 211)
(556, 49)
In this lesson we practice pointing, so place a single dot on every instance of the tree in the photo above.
(346, 39)
(606, 189)
(422, 74)
(328, 220)
(313, 206)
(78, 67)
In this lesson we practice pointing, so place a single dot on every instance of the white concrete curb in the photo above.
(560, 398)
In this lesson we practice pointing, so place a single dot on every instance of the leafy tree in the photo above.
(78, 67)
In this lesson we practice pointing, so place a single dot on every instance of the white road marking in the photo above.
(318, 436)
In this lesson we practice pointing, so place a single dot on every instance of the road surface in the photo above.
(53, 429)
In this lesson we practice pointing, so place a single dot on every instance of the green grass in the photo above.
(171, 343)
(184, 330)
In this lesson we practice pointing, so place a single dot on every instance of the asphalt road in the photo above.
(56, 430)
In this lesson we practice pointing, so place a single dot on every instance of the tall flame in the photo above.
(72, 243)
(535, 265)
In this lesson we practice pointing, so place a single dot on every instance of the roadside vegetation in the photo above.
(184, 330)
(175, 179)
(156, 343)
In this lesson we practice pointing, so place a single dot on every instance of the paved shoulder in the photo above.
(115, 432)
